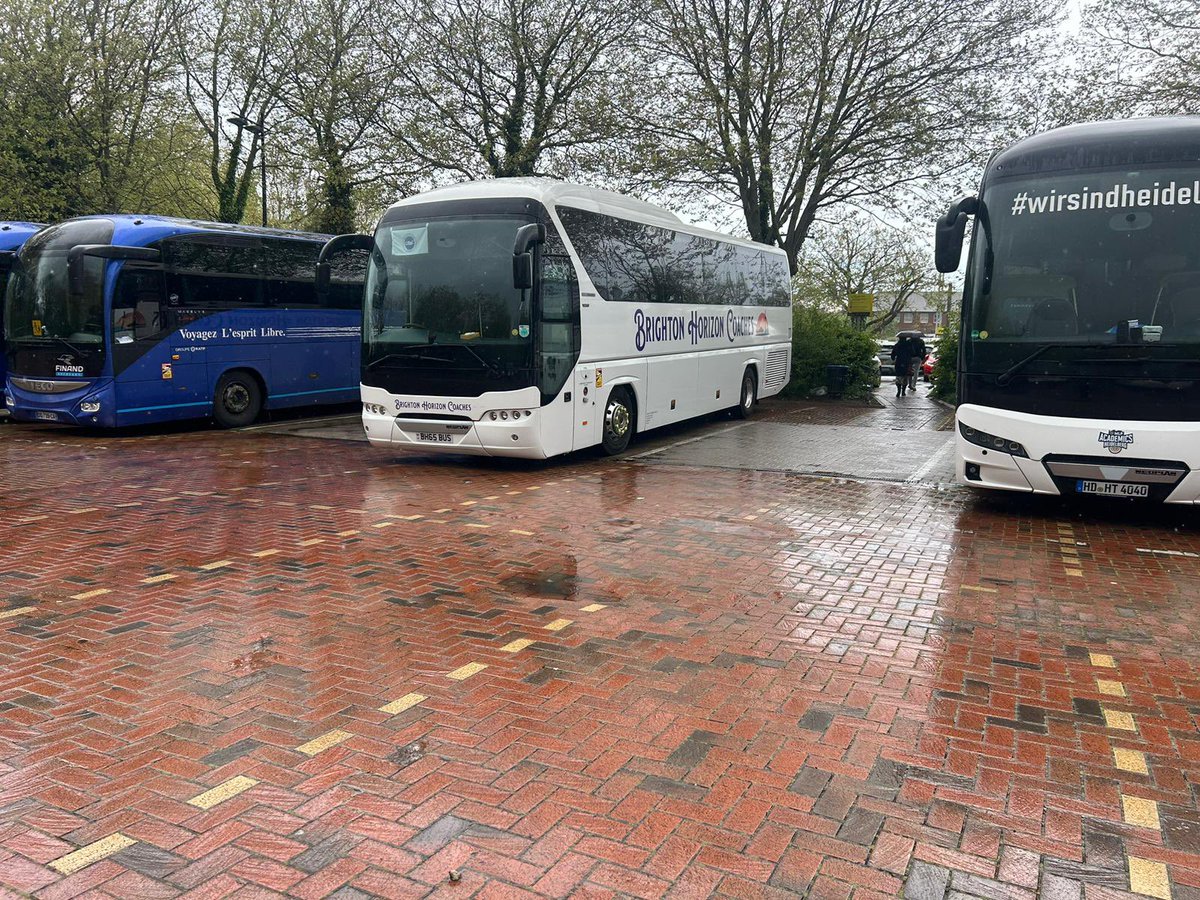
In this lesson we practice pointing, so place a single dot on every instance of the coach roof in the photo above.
(1122, 142)
(551, 192)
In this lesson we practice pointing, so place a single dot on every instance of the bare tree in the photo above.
(1147, 55)
(856, 255)
(790, 106)
(117, 93)
(514, 87)
(336, 85)
(226, 51)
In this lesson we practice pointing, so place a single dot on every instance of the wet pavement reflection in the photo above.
(258, 664)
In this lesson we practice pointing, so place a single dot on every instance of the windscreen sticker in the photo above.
(1117, 196)
(410, 241)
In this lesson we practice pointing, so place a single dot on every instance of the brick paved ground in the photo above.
(250, 664)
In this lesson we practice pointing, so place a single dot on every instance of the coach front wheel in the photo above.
(748, 395)
(618, 421)
(237, 400)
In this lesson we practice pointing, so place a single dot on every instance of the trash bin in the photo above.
(836, 380)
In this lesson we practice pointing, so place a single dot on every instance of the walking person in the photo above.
(902, 359)
(918, 360)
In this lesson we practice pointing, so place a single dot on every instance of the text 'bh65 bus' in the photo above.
(529, 318)
(120, 320)
(1079, 370)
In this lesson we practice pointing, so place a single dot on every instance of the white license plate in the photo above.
(437, 437)
(46, 416)
(1112, 488)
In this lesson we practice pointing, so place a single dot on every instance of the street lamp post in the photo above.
(260, 130)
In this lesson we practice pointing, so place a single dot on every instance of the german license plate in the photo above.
(46, 416)
(1112, 488)
(437, 437)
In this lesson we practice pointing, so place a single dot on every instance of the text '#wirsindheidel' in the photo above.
(695, 327)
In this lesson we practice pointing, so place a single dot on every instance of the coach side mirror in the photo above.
(528, 237)
(948, 237)
(523, 271)
(337, 245)
(76, 254)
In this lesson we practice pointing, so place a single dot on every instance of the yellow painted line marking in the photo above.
(324, 742)
(196, 493)
(87, 595)
(158, 579)
(408, 701)
(319, 506)
(219, 564)
(443, 510)
(517, 645)
(558, 624)
(1112, 688)
(350, 533)
(536, 487)
(462, 673)
(19, 611)
(165, 499)
(407, 518)
(1130, 760)
(1140, 811)
(594, 607)
(223, 792)
(519, 531)
(383, 524)
(85, 856)
(270, 483)
(261, 553)
(1122, 721)
(468, 503)
(39, 518)
(477, 525)
(312, 542)
(512, 493)
(492, 497)
(1149, 878)
(1102, 660)
(121, 505)
(160, 490)
(980, 588)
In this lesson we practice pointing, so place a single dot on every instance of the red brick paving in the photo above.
(795, 686)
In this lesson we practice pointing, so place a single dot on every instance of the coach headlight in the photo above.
(375, 408)
(992, 441)
(90, 406)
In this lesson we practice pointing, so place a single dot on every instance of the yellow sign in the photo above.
(861, 303)
(941, 329)
(599, 378)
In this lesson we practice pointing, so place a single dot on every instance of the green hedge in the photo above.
(945, 370)
(822, 338)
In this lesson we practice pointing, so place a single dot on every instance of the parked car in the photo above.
(886, 366)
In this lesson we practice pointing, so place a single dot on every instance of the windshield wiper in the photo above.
(65, 343)
(490, 366)
(1007, 375)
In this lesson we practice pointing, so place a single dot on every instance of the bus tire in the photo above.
(237, 400)
(748, 395)
(619, 421)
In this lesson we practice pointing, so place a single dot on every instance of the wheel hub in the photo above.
(237, 398)
(617, 419)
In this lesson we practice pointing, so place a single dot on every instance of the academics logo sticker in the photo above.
(1115, 441)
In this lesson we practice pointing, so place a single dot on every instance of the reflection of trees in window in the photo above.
(648, 264)
(444, 310)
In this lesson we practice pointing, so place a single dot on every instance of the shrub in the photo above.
(945, 370)
(821, 338)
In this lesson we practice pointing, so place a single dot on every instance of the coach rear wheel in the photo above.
(749, 394)
(618, 421)
(237, 400)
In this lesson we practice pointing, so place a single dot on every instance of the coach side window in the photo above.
(213, 272)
